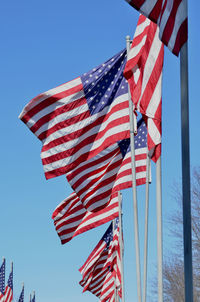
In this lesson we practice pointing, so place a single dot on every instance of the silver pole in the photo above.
(115, 291)
(146, 230)
(136, 232)
(187, 236)
(159, 229)
(121, 245)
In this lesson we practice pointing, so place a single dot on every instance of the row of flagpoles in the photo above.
(89, 133)
(6, 292)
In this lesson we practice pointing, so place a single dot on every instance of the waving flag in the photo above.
(109, 171)
(170, 16)
(2, 280)
(8, 296)
(71, 218)
(144, 74)
(97, 275)
(21, 297)
(79, 119)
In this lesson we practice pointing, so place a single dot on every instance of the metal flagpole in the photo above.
(121, 244)
(115, 291)
(30, 298)
(159, 229)
(187, 236)
(146, 230)
(137, 248)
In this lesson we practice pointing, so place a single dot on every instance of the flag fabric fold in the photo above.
(99, 270)
(2, 280)
(170, 16)
(144, 74)
(71, 218)
(96, 179)
(79, 119)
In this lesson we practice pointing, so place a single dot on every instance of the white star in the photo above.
(106, 96)
(91, 98)
(93, 84)
(96, 77)
(102, 103)
(112, 82)
(89, 90)
(100, 70)
(122, 87)
(109, 89)
(109, 66)
(94, 69)
(112, 60)
(103, 87)
(97, 101)
(90, 76)
(87, 81)
(93, 107)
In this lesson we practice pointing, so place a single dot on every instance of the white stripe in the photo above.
(43, 96)
(148, 6)
(136, 49)
(155, 99)
(181, 16)
(95, 167)
(150, 62)
(85, 149)
(81, 124)
(153, 132)
(141, 27)
(165, 16)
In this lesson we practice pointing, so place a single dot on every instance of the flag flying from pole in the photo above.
(8, 296)
(109, 171)
(33, 299)
(21, 297)
(98, 273)
(71, 218)
(2, 280)
(79, 119)
(144, 74)
(170, 16)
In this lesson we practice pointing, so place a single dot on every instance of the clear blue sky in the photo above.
(44, 44)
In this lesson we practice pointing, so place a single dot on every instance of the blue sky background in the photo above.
(44, 44)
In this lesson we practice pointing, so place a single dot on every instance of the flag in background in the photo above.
(2, 279)
(109, 171)
(33, 299)
(79, 119)
(8, 296)
(144, 74)
(71, 218)
(170, 16)
(97, 275)
(21, 297)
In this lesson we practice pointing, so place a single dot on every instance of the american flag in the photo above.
(144, 74)
(97, 275)
(33, 299)
(79, 119)
(2, 279)
(8, 296)
(71, 218)
(170, 16)
(21, 297)
(109, 171)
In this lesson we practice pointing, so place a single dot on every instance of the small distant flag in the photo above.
(170, 16)
(8, 296)
(79, 119)
(33, 299)
(98, 274)
(21, 297)
(144, 74)
(71, 218)
(2, 280)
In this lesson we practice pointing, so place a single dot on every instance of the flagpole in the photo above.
(132, 145)
(115, 290)
(159, 229)
(121, 245)
(30, 298)
(146, 230)
(186, 199)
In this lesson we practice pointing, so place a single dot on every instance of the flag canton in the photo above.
(108, 236)
(2, 278)
(105, 83)
(10, 280)
(21, 298)
(140, 139)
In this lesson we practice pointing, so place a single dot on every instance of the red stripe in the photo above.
(49, 101)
